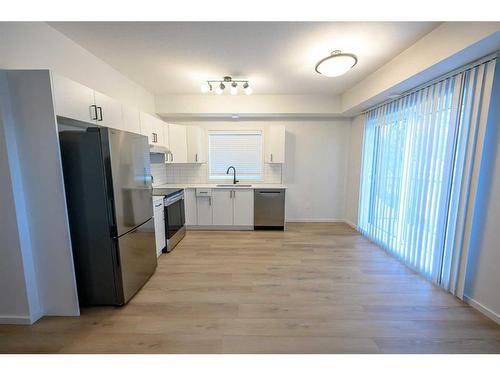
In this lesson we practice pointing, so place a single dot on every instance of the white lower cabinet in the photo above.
(233, 207)
(222, 206)
(190, 207)
(243, 207)
(159, 222)
(219, 208)
(204, 211)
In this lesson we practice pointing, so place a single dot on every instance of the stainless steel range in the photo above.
(175, 220)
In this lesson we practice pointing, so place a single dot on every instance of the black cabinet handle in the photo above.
(100, 113)
(93, 107)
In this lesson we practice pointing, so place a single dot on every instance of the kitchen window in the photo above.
(241, 149)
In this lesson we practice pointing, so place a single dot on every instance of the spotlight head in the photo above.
(234, 88)
(206, 87)
(248, 90)
(220, 89)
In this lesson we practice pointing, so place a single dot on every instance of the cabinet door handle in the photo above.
(94, 116)
(172, 155)
(159, 204)
(100, 113)
(271, 157)
(196, 157)
(209, 201)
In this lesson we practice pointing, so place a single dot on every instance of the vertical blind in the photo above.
(417, 153)
(242, 149)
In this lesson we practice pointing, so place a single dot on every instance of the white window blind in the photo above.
(417, 166)
(241, 149)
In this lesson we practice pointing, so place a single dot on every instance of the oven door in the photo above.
(174, 215)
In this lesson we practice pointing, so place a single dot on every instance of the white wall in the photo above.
(41, 238)
(13, 290)
(482, 284)
(36, 45)
(449, 46)
(213, 105)
(315, 170)
(19, 290)
(354, 169)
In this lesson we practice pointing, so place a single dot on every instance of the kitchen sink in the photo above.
(233, 185)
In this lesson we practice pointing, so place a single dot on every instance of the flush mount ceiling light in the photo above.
(220, 86)
(336, 64)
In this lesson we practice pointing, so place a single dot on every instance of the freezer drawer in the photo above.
(137, 258)
(269, 209)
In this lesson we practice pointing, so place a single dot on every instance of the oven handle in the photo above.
(175, 198)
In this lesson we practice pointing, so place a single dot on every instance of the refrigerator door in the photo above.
(131, 173)
(137, 251)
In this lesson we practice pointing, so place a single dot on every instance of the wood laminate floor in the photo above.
(316, 288)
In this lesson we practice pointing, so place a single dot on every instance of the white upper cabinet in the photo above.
(195, 150)
(243, 207)
(177, 143)
(276, 144)
(73, 100)
(222, 206)
(109, 111)
(166, 137)
(79, 102)
(131, 120)
(158, 128)
(150, 129)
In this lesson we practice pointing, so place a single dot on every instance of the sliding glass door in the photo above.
(412, 165)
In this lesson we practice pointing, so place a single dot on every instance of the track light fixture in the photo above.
(220, 86)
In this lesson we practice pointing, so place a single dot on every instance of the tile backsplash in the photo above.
(198, 173)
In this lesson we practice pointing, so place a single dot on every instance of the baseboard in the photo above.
(315, 220)
(20, 319)
(483, 309)
(351, 224)
(220, 227)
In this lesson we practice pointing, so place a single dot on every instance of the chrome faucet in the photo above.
(234, 174)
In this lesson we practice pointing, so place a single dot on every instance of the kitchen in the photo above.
(232, 217)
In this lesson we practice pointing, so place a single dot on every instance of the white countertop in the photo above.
(157, 188)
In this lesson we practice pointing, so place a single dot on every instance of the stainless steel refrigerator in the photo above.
(107, 177)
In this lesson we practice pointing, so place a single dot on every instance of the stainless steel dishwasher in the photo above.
(269, 209)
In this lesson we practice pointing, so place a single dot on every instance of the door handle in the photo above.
(271, 157)
(93, 107)
(209, 201)
(100, 113)
(196, 157)
(159, 204)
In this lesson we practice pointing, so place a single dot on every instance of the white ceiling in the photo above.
(277, 57)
